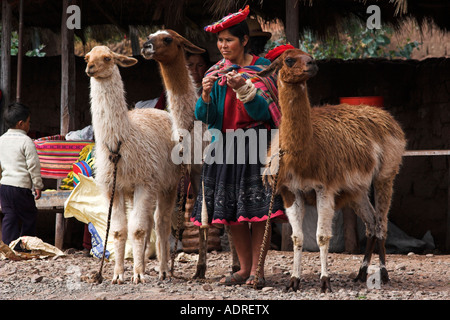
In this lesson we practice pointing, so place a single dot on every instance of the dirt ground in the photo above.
(412, 277)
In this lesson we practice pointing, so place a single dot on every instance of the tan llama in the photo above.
(168, 48)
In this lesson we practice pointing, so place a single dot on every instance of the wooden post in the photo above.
(292, 22)
(292, 37)
(134, 39)
(67, 74)
(59, 230)
(447, 241)
(5, 72)
(20, 55)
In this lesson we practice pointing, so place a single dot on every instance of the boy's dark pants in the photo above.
(18, 206)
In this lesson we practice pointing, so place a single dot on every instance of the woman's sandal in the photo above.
(233, 279)
(251, 282)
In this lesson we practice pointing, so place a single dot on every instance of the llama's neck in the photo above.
(109, 110)
(181, 92)
(295, 127)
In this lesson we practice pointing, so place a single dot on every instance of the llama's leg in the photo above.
(383, 195)
(202, 253)
(325, 212)
(364, 209)
(120, 234)
(295, 213)
(148, 247)
(235, 265)
(139, 221)
(163, 220)
(195, 174)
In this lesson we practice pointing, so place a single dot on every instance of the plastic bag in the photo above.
(87, 204)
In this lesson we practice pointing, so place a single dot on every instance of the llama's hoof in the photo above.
(325, 284)
(362, 275)
(162, 275)
(138, 278)
(384, 275)
(200, 273)
(117, 279)
(294, 283)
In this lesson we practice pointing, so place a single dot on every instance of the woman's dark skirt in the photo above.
(234, 191)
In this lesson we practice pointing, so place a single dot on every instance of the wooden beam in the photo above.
(411, 153)
(5, 72)
(67, 73)
(292, 22)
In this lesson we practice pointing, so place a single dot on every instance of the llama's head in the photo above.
(101, 62)
(293, 66)
(166, 45)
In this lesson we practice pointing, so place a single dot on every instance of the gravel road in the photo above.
(413, 277)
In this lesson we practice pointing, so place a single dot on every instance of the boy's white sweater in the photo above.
(19, 161)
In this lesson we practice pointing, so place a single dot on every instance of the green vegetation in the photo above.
(15, 46)
(356, 42)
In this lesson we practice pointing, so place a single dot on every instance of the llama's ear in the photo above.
(272, 68)
(124, 61)
(189, 47)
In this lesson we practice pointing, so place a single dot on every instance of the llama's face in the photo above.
(167, 45)
(101, 62)
(293, 66)
(296, 66)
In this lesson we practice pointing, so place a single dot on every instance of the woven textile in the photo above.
(228, 21)
(267, 86)
(58, 156)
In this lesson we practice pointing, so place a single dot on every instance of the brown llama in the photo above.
(168, 48)
(332, 155)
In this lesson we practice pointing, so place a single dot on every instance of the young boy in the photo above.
(20, 171)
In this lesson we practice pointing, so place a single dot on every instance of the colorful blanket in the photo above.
(58, 156)
(267, 85)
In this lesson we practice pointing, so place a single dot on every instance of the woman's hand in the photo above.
(235, 80)
(207, 84)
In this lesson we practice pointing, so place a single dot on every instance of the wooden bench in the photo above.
(53, 201)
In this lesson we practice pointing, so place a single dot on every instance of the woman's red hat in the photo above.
(228, 21)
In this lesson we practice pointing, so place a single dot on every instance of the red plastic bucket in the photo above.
(376, 101)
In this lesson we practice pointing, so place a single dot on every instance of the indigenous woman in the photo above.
(234, 98)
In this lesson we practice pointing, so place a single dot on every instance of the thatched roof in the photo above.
(322, 16)
(190, 16)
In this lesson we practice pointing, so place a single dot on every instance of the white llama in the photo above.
(145, 173)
